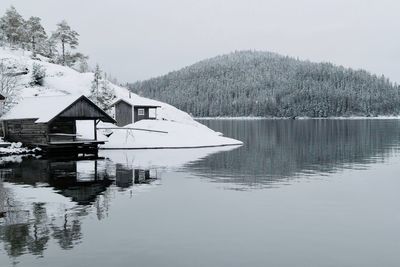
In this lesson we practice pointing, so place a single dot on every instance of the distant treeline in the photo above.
(251, 83)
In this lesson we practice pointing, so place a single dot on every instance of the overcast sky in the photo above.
(135, 40)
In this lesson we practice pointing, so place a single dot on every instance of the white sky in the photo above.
(136, 40)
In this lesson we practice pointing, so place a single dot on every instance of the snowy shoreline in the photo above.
(171, 147)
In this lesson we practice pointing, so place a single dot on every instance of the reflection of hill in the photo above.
(276, 149)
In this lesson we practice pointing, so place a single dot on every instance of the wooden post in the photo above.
(74, 130)
(95, 170)
(95, 130)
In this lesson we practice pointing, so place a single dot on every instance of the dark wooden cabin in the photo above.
(127, 111)
(50, 122)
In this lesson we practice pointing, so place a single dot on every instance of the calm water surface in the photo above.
(298, 193)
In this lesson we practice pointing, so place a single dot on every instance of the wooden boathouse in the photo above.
(128, 111)
(51, 123)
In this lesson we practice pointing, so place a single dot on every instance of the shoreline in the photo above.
(301, 118)
(172, 147)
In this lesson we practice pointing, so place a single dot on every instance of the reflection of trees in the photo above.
(28, 228)
(21, 234)
(15, 238)
(69, 233)
(40, 231)
(276, 149)
(102, 205)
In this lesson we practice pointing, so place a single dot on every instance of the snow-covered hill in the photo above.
(182, 130)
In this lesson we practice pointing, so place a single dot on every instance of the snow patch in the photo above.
(163, 134)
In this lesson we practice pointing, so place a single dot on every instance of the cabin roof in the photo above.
(138, 102)
(45, 109)
(2, 97)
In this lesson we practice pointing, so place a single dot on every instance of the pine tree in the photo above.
(107, 94)
(66, 36)
(50, 47)
(94, 90)
(38, 74)
(35, 33)
(73, 60)
(12, 26)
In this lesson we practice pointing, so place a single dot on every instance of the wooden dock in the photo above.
(85, 147)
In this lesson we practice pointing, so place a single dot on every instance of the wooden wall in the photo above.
(82, 109)
(25, 131)
(123, 114)
(62, 126)
(141, 117)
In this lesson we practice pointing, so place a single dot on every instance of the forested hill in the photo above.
(250, 83)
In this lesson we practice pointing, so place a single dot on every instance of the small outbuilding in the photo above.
(129, 110)
(51, 122)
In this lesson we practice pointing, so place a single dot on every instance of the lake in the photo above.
(298, 193)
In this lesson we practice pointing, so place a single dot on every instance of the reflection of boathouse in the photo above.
(80, 180)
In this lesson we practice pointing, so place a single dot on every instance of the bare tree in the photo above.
(8, 85)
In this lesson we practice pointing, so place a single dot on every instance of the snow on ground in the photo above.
(182, 130)
(169, 135)
(14, 149)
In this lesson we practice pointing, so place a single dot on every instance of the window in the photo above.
(141, 111)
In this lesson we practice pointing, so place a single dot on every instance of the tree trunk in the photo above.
(33, 46)
(63, 51)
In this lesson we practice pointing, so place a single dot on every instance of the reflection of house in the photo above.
(50, 122)
(126, 177)
(129, 110)
(144, 177)
(123, 176)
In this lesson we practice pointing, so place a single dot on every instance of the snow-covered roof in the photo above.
(43, 109)
(138, 101)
